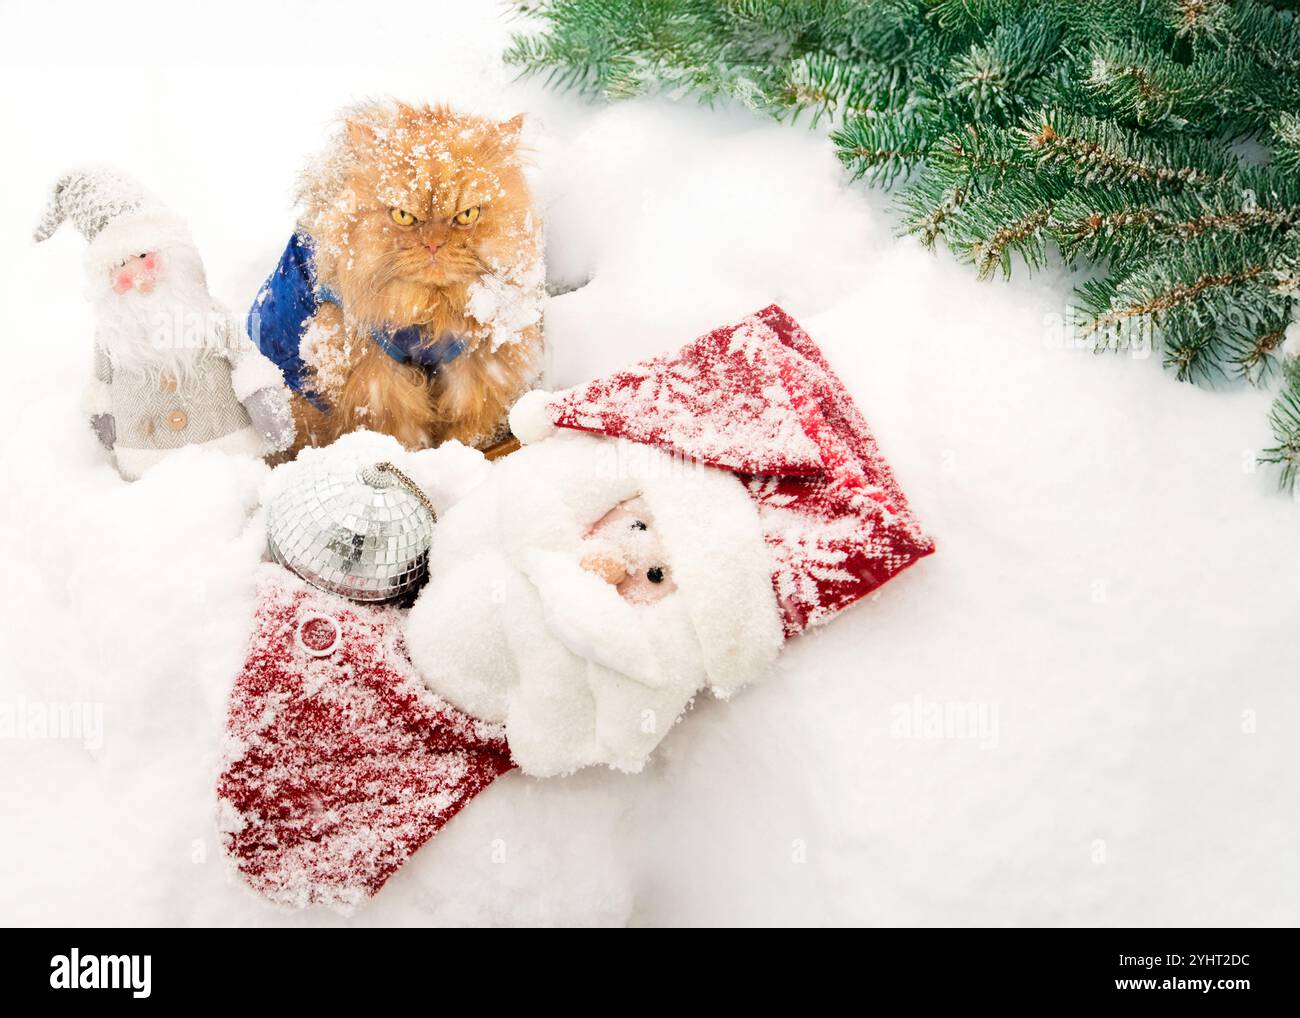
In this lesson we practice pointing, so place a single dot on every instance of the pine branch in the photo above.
(993, 78)
(881, 148)
(1119, 223)
(1199, 300)
(1285, 421)
(1148, 88)
(960, 165)
(928, 204)
(828, 87)
(1011, 219)
(1103, 151)
(1200, 20)
(1286, 131)
(1255, 353)
(1270, 37)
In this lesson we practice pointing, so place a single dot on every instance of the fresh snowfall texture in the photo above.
(1082, 709)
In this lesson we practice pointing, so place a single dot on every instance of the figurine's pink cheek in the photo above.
(151, 262)
(121, 283)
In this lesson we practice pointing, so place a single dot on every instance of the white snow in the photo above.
(1081, 710)
(508, 301)
(326, 358)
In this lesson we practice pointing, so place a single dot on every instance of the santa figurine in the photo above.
(172, 368)
(660, 533)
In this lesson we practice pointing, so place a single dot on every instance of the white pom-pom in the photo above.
(529, 420)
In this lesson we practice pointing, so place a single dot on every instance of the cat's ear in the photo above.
(511, 129)
(360, 135)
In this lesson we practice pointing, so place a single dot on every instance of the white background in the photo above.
(1112, 582)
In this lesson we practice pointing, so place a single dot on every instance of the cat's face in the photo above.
(421, 199)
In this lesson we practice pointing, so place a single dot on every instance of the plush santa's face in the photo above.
(154, 312)
(624, 549)
(586, 591)
(138, 272)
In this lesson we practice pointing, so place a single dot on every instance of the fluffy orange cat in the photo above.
(426, 258)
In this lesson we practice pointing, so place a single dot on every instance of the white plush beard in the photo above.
(166, 331)
(580, 676)
(652, 644)
(605, 679)
(512, 629)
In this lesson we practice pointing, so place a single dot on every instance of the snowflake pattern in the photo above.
(715, 402)
(339, 765)
(759, 399)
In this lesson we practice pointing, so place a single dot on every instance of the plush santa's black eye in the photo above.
(655, 574)
(638, 525)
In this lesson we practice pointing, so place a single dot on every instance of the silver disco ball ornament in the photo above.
(361, 533)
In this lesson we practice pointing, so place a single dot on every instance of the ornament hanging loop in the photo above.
(408, 484)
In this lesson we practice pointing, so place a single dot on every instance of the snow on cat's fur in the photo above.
(421, 216)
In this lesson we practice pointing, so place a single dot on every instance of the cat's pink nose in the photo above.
(433, 248)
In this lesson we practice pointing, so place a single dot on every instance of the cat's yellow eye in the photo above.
(401, 217)
(467, 217)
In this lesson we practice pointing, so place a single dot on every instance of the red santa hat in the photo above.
(757, 398)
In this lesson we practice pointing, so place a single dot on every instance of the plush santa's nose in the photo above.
(606, 567)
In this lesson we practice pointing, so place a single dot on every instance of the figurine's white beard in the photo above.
(166, 331)
(654, 644)
(511, 628)
(578, 675)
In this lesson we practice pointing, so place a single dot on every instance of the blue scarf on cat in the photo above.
(291, 295)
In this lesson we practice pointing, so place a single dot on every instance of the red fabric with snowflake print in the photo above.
(759, 399)
(339, 762)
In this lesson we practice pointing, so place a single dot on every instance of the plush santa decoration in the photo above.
(172, 367)
(660, 533)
